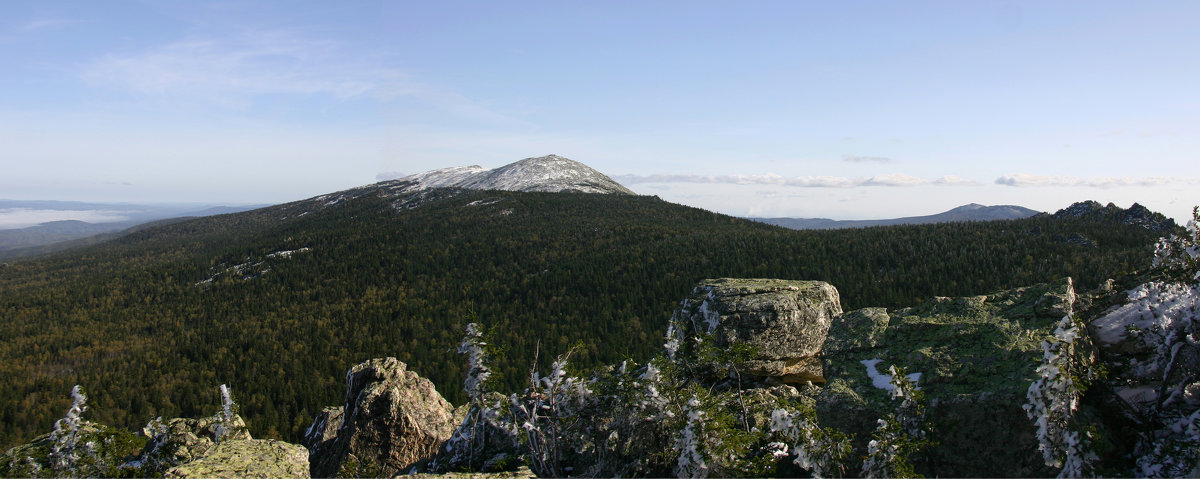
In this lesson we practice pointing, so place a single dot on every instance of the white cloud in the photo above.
(896, 180)
(864, 159)
(951, 180)
(1024, 179)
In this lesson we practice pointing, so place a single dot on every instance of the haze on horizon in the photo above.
(845, 110)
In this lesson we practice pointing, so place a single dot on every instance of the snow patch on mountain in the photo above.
(550, 173)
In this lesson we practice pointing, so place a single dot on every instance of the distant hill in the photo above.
(971, 212)
(54, 236)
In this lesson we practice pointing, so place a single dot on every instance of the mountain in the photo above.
(971, 212)
(277, 302)
(59, 235)
(1135, 215)
(550, 173)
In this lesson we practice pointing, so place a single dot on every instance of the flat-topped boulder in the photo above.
(782, 323)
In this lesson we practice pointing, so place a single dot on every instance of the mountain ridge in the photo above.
(967, 212)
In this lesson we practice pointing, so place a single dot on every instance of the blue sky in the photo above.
(846, 110)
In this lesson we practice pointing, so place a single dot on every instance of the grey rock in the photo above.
(783, 323)
(861, 328)
(188, 439)
(247, 458)
(392, 420)
(1059, 301)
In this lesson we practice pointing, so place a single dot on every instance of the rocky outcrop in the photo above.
(976, 357)
(858, 329)
(781, 323)
(392, 420)
(186, 439)
(320, 435)
(247, 458)
(1153, 362)
(1136, 215)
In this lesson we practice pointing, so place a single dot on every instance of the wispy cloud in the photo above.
(232, 70)
(258, 63)
(44, 23)
(1027, 180)
(894, 180)
(865, 159)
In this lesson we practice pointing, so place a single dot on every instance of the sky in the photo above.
(844, 110)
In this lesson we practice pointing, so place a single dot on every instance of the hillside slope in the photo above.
(278, 302)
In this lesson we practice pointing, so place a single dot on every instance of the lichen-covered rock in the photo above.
(782, 323)
(247, 458)
(187, 439)
(858, 329)
(392, 419)
(522, 472)
(1058, 301)
(101, 451)
(976, 357)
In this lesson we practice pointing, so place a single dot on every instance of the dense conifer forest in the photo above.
(279, 302)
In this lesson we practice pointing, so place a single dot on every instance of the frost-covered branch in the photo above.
(691, 462)
(477, 371)
(901, 434)
(65, 447)
(225, 419)
(820, 451)
(1054, 400)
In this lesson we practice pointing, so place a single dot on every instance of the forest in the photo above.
(279, 302)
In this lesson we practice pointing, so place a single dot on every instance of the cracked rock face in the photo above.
(784, 323)
(392, 420)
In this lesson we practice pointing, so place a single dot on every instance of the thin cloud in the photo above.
(258, 63)
(895, 180)
(891, 180)
(951, 180)
(230, 71)
(389, 175)
(1027, 180)
(865, 159)
(45, 23)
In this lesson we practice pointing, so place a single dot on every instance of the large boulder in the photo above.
(247, 458)
(392, 419)
(781, 323)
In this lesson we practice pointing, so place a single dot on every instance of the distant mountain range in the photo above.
(57, 235)
(971, 212)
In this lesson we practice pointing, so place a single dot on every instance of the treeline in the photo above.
(136, 322)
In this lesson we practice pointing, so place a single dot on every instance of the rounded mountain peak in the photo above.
(550, 173)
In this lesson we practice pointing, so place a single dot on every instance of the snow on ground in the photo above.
(1154, 304)
(884, 381)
